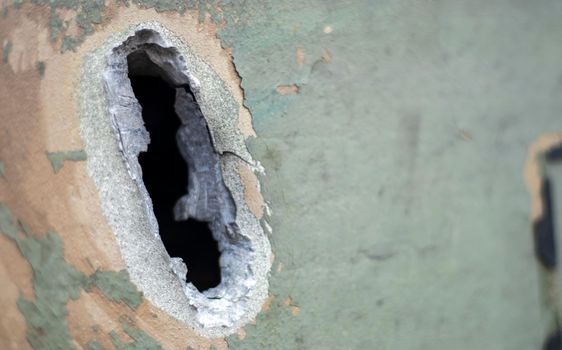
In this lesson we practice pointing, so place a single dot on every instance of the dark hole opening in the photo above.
(165, 176)
(545, 227)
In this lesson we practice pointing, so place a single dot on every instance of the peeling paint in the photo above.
(113, 133)
(41, 69)
(6, 51)
(2, 169)
(300, 56)
(534, 169)
(141, 340)
(164, 5)
(287, 89)
(94, 345)
(57, 159)
(467, 193)
(56, 282)
(543, 218)
(116, 286)
(89, 13)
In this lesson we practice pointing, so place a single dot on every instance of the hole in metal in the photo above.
(209, 195)
(165, 175)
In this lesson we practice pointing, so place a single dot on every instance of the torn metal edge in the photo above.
(124, 203)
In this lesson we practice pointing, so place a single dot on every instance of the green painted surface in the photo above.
(7, 49)
(55, 282)
(94, 345)
(116, 286)
(57, 159)
(395, 175)
(2, 168)
(165, 5)
(41, 68)
(141, 341)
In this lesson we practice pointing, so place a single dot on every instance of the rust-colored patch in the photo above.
(241, 334)
(465, 135)
(267, 304)
(252, 194)
(292, 89)
(326, 56)
(300, 56)
(295, 310)
(532, 172)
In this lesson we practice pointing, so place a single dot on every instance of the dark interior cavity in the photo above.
(165, 175)
(544, 228)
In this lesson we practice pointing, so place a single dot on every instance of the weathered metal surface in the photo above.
(395, 136)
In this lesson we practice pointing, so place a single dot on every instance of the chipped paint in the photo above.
(57, 159)
(300, 56)
(6, 51)
(534, 170)
(337, 159)
(2, 169)
(241, 333)
(41, 68)
(141, 340)
(87, 14)
(116, 286)
(252, 192)
(56, 282)
(288, 89)
(163, 5)
(94, 345)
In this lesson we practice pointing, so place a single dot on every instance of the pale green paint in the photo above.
(55, 282)
(141, 341)
(394, 231)
(164, 5)
(116, 286)
(57, 159)
(94, 345)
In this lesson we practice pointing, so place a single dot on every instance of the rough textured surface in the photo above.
(56, 282)
(113, 132)
(395, 174)
(394, 134)
(116, 286)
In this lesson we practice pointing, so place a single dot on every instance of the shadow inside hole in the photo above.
(165, 176)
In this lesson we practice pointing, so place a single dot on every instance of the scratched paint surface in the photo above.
(395, 135)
